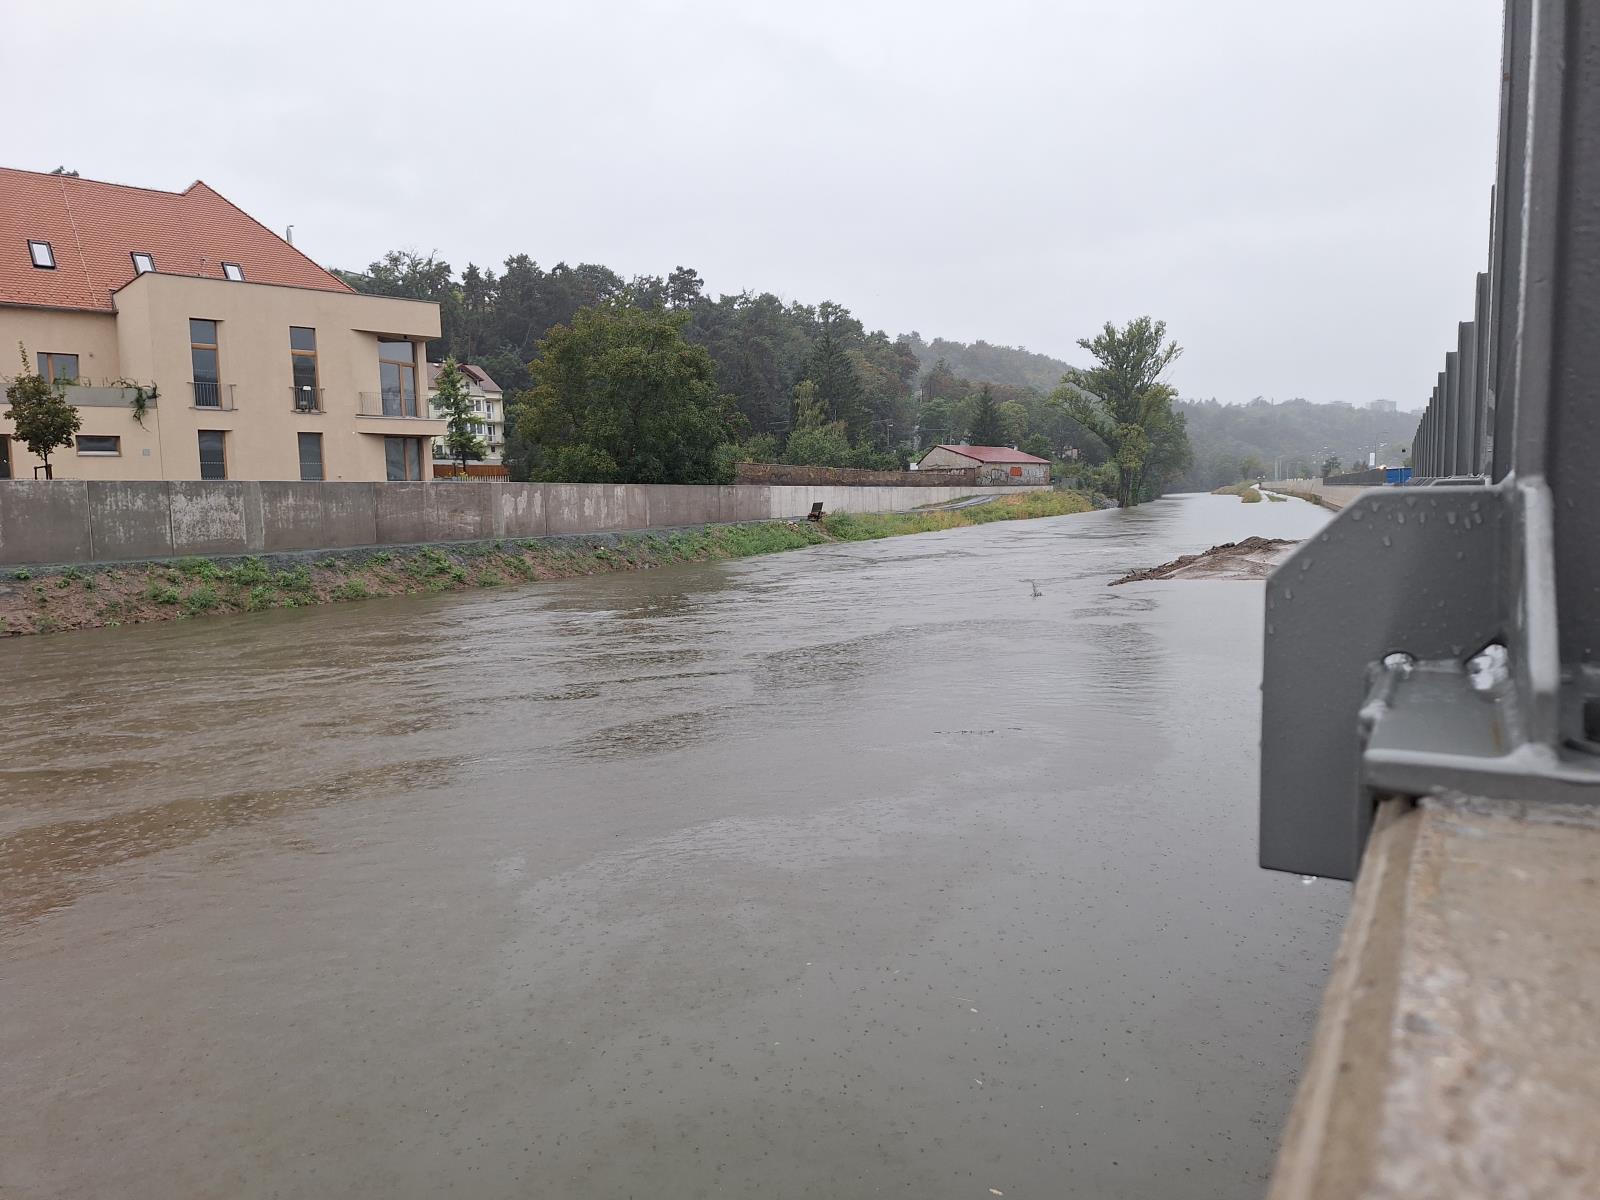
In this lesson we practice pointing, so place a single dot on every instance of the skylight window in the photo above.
(143, 264)
(43, 257)
(233, 271)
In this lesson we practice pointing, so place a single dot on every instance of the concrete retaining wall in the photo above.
(1331, 496)
(67, 521)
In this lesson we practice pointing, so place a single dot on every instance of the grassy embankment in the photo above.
(1245, 491)
(46, 601)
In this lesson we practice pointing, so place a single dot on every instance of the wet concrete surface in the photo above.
(846, 872)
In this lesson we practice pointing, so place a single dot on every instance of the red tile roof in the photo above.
(993, 454)
(94, 228)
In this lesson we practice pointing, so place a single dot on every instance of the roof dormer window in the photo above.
(143, 264)
(233, 271)
(43, 257)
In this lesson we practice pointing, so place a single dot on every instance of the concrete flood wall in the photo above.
(1332, 496)
(69, 521)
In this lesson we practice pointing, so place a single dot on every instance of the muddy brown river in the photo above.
(854, 871)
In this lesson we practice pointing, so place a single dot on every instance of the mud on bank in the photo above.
(1253, 558)
(49, 600)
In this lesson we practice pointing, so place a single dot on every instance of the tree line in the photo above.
(652, 379)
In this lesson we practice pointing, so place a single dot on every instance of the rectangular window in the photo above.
(206, 364)
(143, 264)
(5, 457)
(213, 454)
(43, 257)
(303, 368)
(397, 377)
(58, 368)
(310, 455)
(233, 271)
(403, 457)
(92, 443)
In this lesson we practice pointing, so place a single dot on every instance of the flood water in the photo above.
(845, 872)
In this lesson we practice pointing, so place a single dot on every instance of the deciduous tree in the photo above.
(1123, 401)
(618, 395)
(43, 419)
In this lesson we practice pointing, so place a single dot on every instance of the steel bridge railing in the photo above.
(1448, 638)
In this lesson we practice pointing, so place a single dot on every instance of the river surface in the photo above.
(845, 872)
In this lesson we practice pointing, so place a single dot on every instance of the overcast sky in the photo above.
(1300, 189)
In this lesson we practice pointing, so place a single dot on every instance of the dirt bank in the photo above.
(1252, 558)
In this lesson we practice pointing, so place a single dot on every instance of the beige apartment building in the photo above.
(263, 364)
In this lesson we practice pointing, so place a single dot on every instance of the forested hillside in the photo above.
(1009, 365)
(1238, 441)
(808, 382)
(755, 378)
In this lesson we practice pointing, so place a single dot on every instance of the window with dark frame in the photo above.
(310, 456)
(58, 368)
(403, 459)
(42, 255)
(206, 363)
(213, 454)
(5, 457)
(397, 377)
(303, 369)
(95, 443)
(143, 264)
(233, 271)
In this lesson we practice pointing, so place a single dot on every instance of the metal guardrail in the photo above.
(212, 395)
(305, 399)
(1448, 639)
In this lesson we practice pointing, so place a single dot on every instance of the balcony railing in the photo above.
(306, 399)
(212, 395)
(394, 404)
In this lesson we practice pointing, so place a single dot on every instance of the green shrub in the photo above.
(23, 576)
(197, 568)
(261, 596)
(428, 562)
(160, 592)
(350, 589)
(250, 571)
(203, 599)
(297, 580)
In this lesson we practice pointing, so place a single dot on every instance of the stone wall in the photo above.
(69, 521)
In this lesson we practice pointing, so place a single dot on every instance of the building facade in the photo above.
(488, 408)
(197, 344)
(994, 464)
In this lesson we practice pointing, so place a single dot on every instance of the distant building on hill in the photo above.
(1384, 406)
(252, 362)
(995, 464)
